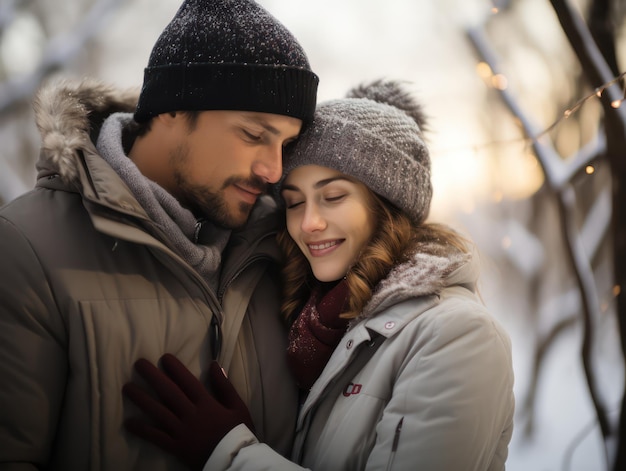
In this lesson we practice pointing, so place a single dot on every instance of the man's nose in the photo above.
(269, 166)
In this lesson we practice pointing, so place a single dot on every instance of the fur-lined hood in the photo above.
(430, 269)
(69, 114)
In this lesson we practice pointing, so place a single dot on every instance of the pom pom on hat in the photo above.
(391, 93)
(227, 55)
(374, 135)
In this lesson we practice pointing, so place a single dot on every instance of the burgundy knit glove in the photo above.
(187, 421)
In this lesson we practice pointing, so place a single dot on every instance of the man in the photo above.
(148, 233)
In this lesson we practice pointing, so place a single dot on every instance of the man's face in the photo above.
(223, 163)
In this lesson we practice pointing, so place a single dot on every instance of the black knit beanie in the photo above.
(227, 55)
(374, 135)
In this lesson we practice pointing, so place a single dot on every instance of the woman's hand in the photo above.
(186, 420)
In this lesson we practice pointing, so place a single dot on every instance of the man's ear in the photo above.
(169, 119)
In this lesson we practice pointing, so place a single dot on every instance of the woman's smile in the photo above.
(320, 249)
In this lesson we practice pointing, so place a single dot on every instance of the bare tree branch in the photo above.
(597, 70)
(557, 174)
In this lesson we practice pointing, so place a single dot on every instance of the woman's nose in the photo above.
(312, 219)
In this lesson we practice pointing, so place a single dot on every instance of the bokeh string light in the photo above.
(500, 82)
(597, 93)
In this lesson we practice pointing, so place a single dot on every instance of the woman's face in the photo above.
(329, 217)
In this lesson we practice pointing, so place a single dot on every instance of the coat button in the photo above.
(390, 325)
(349, 344)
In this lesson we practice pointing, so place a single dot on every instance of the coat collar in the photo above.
(69, 114)
(430, 268)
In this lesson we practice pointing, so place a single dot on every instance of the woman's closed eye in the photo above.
(293, 204)
(335, 198)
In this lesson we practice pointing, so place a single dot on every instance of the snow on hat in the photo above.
(227, 55)
(375, 136)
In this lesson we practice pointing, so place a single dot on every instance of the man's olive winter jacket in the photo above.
(89, 284)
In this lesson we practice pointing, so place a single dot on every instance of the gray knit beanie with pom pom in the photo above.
(375, 136)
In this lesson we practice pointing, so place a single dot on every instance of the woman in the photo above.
(400, 364)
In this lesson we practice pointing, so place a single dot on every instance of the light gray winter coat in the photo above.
(88, 284)
(422, 381)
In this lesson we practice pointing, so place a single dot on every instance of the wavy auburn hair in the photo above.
(394, 240)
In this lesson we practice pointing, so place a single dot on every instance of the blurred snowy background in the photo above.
(461, 57)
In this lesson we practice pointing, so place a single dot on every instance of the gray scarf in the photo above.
(178, 223)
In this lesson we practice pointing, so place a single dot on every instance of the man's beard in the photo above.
(212, 205)
(203, 202)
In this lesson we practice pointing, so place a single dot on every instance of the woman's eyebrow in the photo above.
(326, 181)
(317, 185)
(289, 187)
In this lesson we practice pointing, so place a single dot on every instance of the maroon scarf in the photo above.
(316, 332)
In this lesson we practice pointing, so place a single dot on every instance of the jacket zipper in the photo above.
(196, 231)
(249, 261)
(394, 445)
(216, 330)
